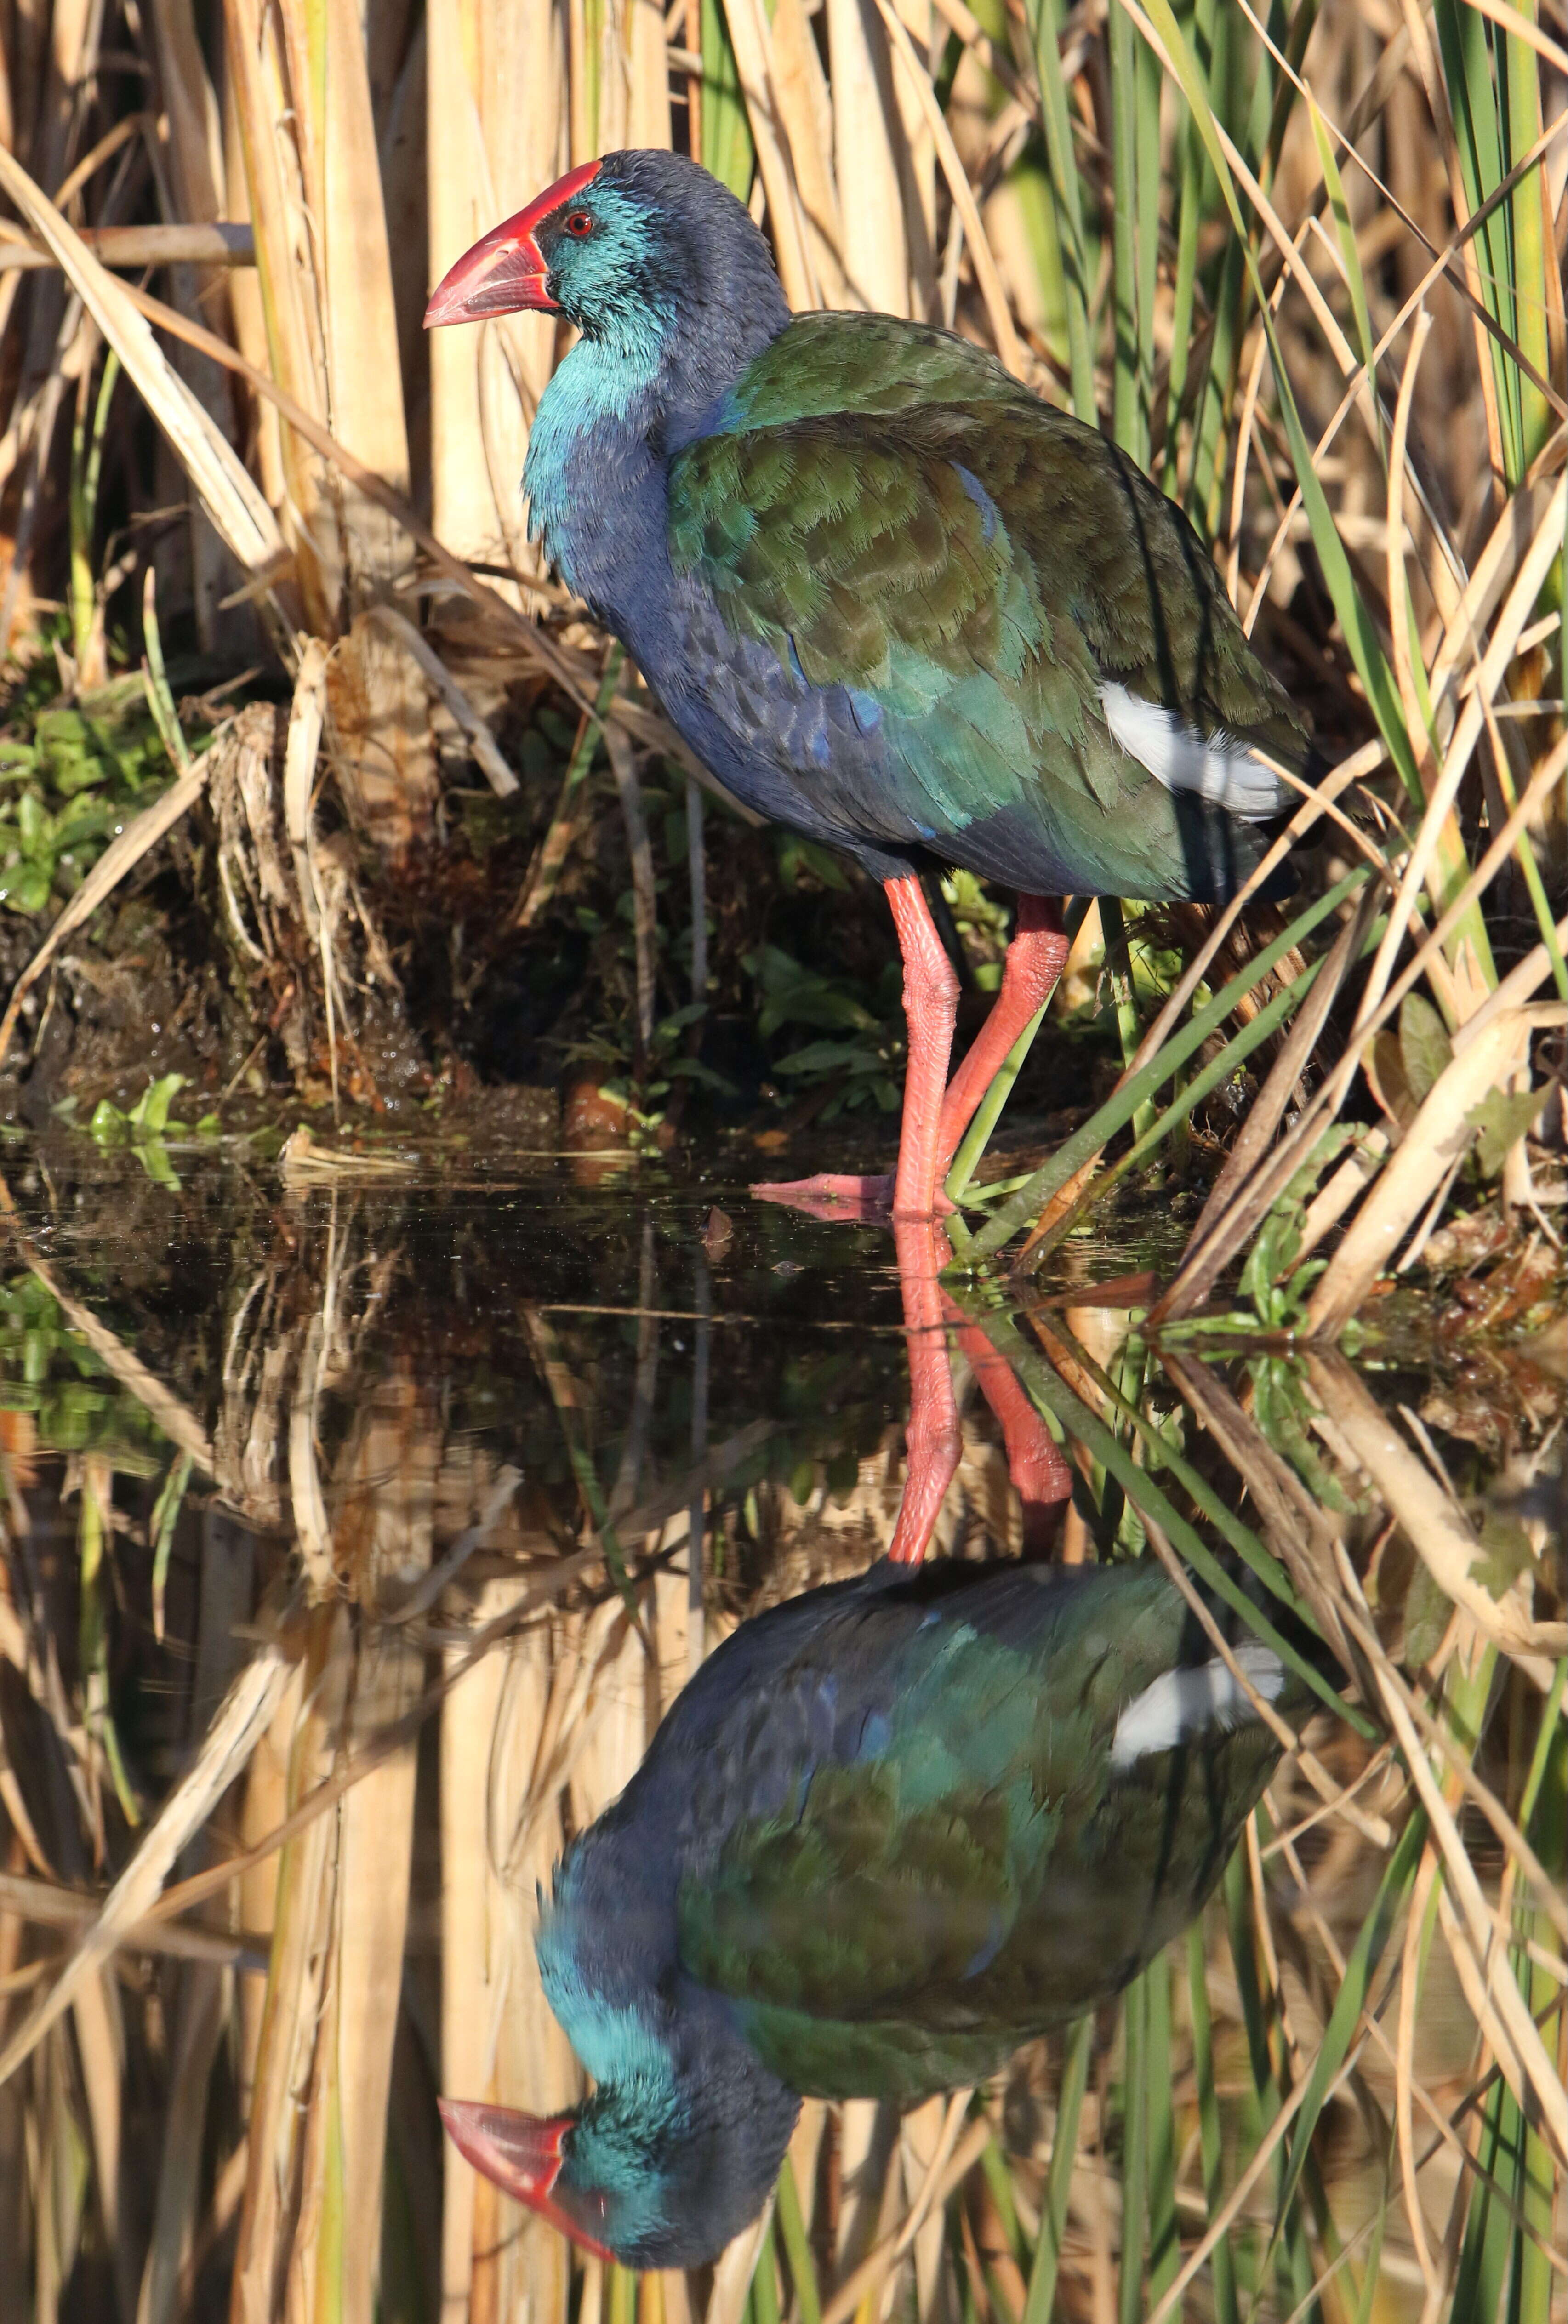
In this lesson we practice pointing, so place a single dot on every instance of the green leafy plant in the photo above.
(863, 1058)
(48, 1368)
(71, 777)
(147, 1125)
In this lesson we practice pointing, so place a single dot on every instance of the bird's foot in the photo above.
(835, 1195)
(832, 1195)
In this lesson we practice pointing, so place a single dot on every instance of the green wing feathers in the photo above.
(888, 512)
(981, 1867)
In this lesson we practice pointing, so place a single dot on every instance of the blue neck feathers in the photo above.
(687, 2127)
(631, 391)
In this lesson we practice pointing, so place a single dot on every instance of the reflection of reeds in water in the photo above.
(1342, 2097)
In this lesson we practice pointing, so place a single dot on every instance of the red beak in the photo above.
(504, 272)
(522, 2154)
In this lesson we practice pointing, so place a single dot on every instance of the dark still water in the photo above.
(448, 1651)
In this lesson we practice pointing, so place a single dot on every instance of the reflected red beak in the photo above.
(522, 2154)
(505, 273)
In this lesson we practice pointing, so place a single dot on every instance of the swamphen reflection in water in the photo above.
(892, 599)
(890, 1830)
(895, 602)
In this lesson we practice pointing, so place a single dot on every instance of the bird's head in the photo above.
(625, 2181)
(682, 2138)
(629, 248)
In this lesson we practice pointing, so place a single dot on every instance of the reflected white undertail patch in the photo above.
(1217, 767)
(1182, 1704)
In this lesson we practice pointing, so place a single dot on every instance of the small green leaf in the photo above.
(151, 1111)
(34, 823)
(76, 775)
(153, 1155)
(1501, 1120)
(1511, 1555)
(1424, 1046)
(27, 889)
(1429, 1611)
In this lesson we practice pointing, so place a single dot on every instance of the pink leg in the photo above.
(932, 1439)
(1035, 960)
(1033, 1461)
(930, 1011)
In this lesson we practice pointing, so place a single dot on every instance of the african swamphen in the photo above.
(892, 599)
(891, 1829)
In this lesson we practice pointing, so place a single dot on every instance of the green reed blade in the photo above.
(1464, 44)
(1290, 37)
(165, 1518)
(1189, 207)
(994, 2165)
(1149, 83)
(1522, 126)
(1124, 409)
(1165, 2243)
(86, 455)
(621, 2302)
(155, 682)
(1222, 2264)
(1541, 902)
(1345, 235)
(1483, 2263)
(764, 2282)
(1129, 2305)
(1042, 2291)
(798, 2247)
(1045, 23)
(1238, 1897)
(1123, 1104)
(1542, 1819)
(1355, 1988)
(1118, 963)
(726, 134)
(1186, 278)
(1217, 397)
(1366, 2304)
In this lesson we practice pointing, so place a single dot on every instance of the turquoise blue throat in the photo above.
(602, 393)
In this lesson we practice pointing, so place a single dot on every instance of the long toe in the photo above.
(832, 1195)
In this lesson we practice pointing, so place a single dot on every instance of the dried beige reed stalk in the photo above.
(224, 1752)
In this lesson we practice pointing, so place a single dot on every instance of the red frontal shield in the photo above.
(505, 273)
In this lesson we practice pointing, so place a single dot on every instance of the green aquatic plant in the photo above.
(859, 1060)
(147, 1126)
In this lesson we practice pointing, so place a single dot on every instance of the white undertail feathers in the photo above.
(1219, 767)
(1182, 1704)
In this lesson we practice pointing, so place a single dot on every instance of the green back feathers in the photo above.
(888, 512)
(978, 1871)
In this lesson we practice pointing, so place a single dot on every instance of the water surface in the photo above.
(462, 1466)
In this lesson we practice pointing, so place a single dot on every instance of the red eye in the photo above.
(579, 224)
